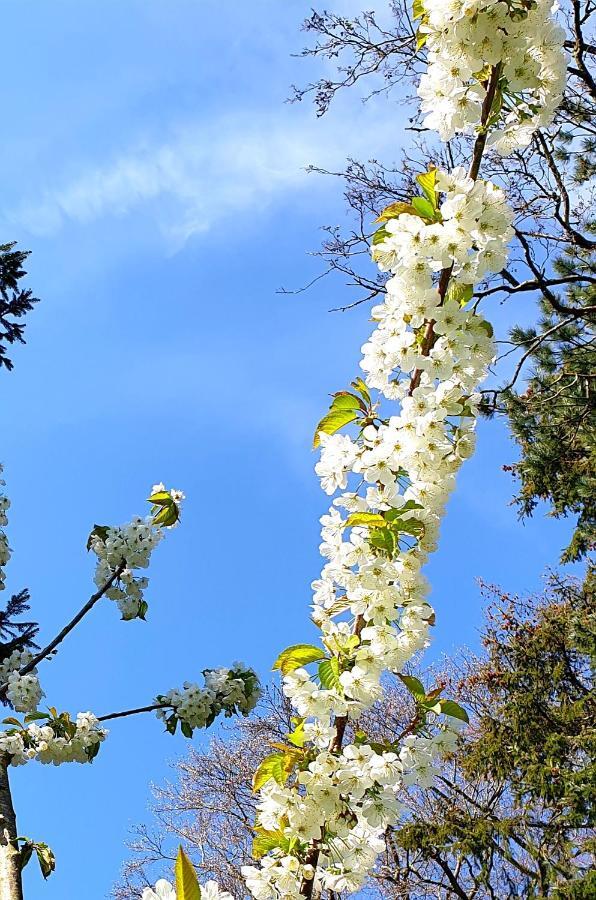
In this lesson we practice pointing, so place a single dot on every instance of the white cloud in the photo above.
(205, 173)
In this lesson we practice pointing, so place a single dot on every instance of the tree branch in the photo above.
(72, 624)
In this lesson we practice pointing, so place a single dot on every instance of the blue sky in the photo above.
(154, 169)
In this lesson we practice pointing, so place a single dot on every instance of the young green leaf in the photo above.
(423, 207)
(264, 841)
(329, 673)
(333, 421)
(461, 293)
(371, 520)
(46, 859)
(168, 515)
(417, 9)
(415, 687)
(451, 708)
(486, 326)
(379, 236)
(100, 531)
(187, 885)
(297, 737)
(360, 385)
(273, 766)
(383, 539)
(345, 400)
(428, 181)
(160, 498)
(394, 210)
(296, 656)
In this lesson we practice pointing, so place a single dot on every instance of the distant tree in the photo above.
(513, 813)
(15, 302)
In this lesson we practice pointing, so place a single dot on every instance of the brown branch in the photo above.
(72, 624)
(477, 154)
(133, 712)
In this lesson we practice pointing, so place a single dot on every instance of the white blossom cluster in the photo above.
(163, 890)
(347, 801)
(370, 601)
(55, 741)
(23, 692)
(464, 39)
(131, 544)
(227, 691)
(471, 240)
(4, 548)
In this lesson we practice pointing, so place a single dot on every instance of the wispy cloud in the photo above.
(203, 173)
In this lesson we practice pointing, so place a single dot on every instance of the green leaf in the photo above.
(329, 673)
(486, 326)
(398, 512)
(428, 181)
(160, 498)
(333, 421)
(296, 656)
(100, 531)
(409, 526)
(46, 859)
(25, 854)
(297, 737)
(278, 766)
(12, 721)
(461, 293)
(360, 385)
(168, 515)
(383, 539)
(271, 767)
(264, 841)
(421, 38)
(187, 886)
(345, 400)
(185, 728)
(394, 210)
(451, 708)
(371, 520)
(415, 687)
(417, 9)
(35, 716)
(379, 235)
(423, 207)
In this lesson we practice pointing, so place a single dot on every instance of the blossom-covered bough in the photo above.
(495, 70)
(53, 737)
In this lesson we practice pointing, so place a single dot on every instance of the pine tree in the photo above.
(15, 302)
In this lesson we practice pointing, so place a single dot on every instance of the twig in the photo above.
(133, 712)
(72, 624)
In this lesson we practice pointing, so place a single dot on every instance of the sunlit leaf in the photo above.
(333, 421)
(451, 708)
(187, 885)
(415, 687)
(371, 520)
(329, 673)
(296, 656)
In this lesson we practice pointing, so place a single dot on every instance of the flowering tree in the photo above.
(49, 736)
(494, 71)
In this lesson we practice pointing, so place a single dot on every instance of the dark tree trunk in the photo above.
(11, 887)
